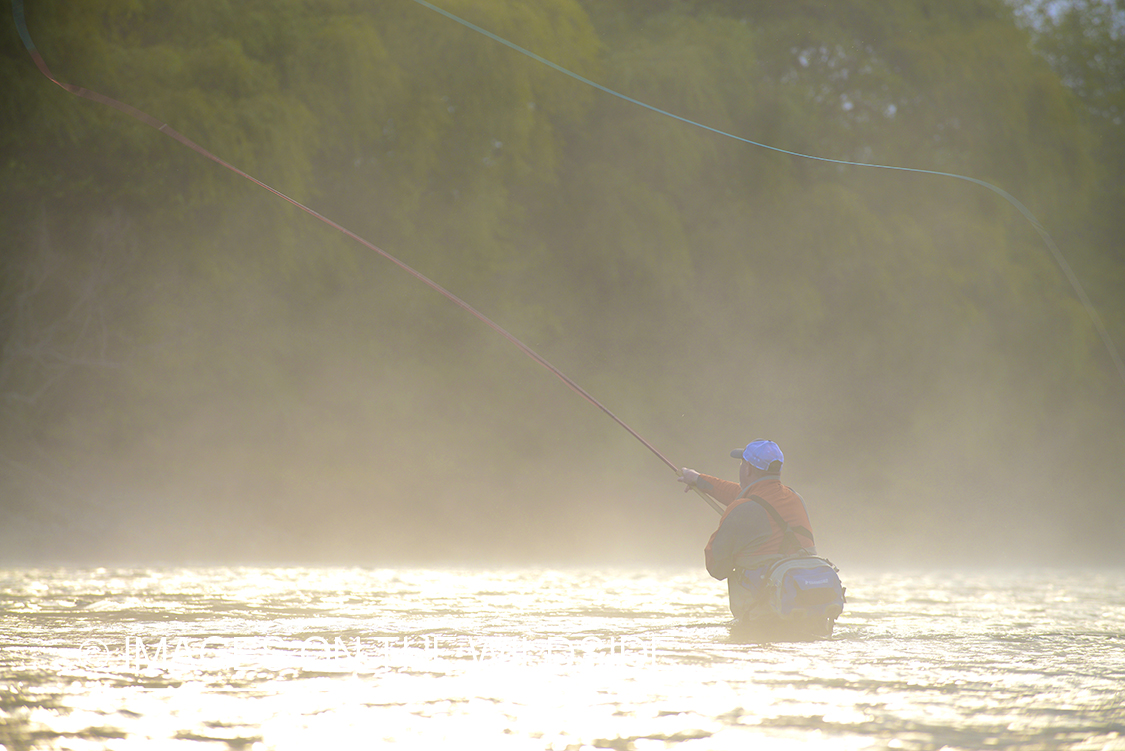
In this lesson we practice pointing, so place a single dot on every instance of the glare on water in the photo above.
(295, 658)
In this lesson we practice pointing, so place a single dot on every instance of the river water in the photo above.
(320, 658)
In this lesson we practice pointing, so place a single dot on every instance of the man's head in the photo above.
(759, 458)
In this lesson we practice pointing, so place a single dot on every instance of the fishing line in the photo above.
(1047, 239)
(17, 11)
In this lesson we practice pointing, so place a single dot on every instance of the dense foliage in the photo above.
(192, 367)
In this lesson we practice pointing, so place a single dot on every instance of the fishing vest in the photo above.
(788, 519)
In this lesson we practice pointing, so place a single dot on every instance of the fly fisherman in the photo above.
(764, 521)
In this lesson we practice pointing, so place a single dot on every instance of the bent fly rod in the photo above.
(144, 117)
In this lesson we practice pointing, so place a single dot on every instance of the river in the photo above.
(318, 658)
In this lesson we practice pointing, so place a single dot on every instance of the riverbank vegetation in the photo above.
(194, 369)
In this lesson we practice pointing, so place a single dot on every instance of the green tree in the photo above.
(1084, 43)
(175, 331)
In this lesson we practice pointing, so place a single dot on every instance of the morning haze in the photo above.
(194, 371)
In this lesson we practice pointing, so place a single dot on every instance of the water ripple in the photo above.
(261, 658)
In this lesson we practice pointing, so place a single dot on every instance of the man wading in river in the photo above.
(764, 521)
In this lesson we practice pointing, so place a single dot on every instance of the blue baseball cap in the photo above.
(760, 453)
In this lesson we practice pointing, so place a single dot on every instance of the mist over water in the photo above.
(260, 489)
(193, 371)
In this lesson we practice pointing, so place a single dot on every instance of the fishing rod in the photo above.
(21, 25)
(708, 499)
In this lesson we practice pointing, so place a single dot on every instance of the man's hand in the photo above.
(688, 477)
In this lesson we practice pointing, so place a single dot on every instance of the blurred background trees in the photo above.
(193, 369)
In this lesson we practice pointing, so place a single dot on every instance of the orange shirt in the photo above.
(750, 533)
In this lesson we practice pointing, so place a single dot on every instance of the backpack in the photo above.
(805, 587)
(801, 586)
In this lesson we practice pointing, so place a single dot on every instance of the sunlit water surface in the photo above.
(309, 658)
